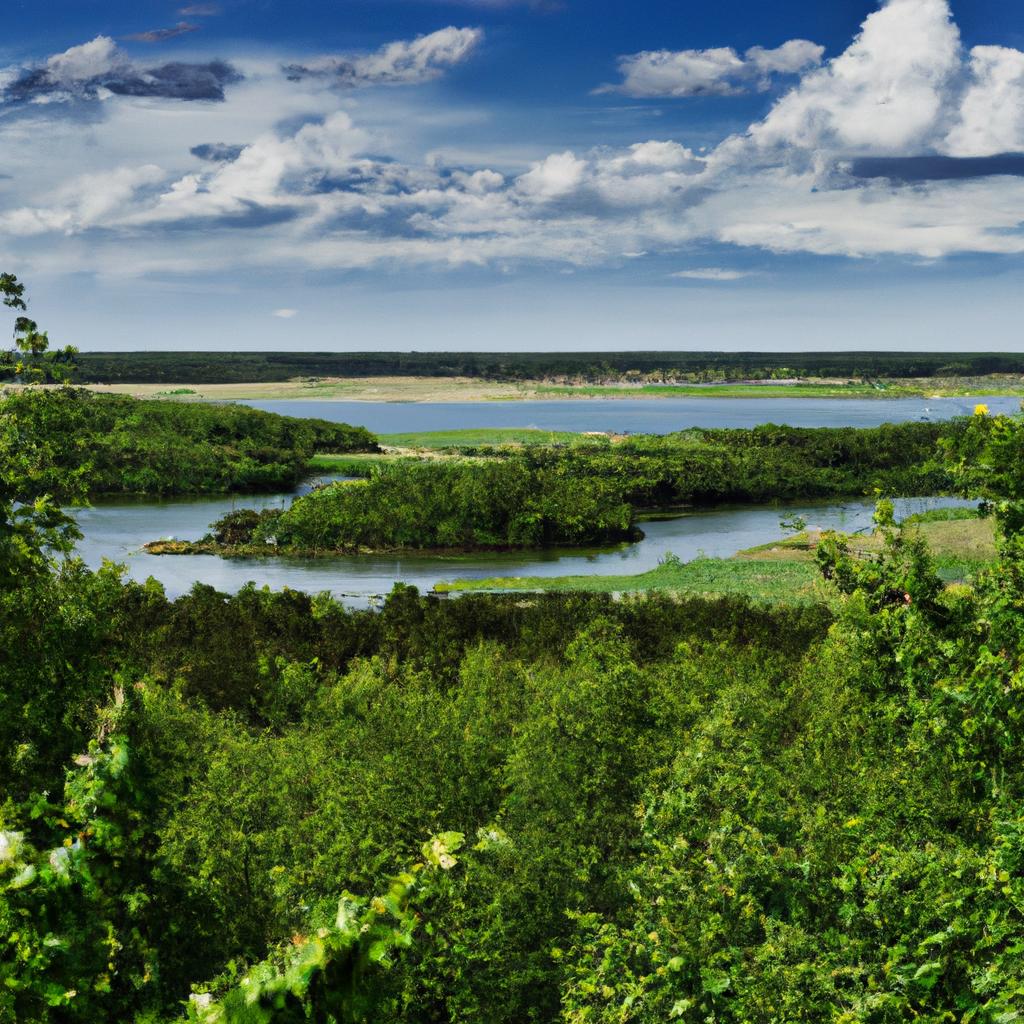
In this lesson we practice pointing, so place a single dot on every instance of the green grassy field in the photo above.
(354, 465)
(485, 436)
(433, 443)
(773, 581)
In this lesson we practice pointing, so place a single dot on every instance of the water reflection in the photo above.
(117, 531)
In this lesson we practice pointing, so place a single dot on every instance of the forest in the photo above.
(563, 808)
(495, 497)
(251, 367)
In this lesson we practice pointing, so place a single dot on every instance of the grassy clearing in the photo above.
(355, 465)
(492, 437)
(969, 540)
(785, 582)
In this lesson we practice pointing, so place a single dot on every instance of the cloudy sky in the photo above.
(516, 174)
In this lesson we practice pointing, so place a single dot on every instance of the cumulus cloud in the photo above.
(86, 201)
(992, 112)
(889, 92)
(715, 72)
(555, 176)
(404, 62)
(99, 68)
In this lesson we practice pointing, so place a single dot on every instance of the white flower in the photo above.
(10, 847)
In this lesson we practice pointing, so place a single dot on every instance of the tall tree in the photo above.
(31, 361)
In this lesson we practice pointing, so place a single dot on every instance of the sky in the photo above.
(516, 175)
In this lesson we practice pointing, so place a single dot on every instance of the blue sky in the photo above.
(493, 174)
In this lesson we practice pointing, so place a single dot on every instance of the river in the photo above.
(635, 415)
(117, 530)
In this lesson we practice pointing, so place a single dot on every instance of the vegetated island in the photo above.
(536, 496)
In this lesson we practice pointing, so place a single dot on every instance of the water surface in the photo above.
(117, 531)
(634, 415)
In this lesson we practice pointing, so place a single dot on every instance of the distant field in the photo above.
(801, 390)
(467, 389)
(927, 388)
(358, 389)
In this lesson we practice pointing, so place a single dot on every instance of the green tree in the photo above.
(31, 361)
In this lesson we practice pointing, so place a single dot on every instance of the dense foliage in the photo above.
(521, 501)
(268, 808)
(109, 444)
(587, 494)
(246, 367)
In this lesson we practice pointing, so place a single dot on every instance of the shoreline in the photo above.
(421, 390)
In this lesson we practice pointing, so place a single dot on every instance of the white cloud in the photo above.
(715, 72)
(312, 196)
(888, 93)
(711, 274)
(99, 69)
(404, 62)
(285, 314)
(86, 201)
(992, 113)
(90, 60)
(553, 177)
(790, 58)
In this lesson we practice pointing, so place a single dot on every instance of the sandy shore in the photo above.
(468, 389)
(361, 389)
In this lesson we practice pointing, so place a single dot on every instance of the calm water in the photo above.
(637, 416)
(118, 531)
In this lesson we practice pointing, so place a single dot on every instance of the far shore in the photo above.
(465, 389)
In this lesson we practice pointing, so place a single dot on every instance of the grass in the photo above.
(917, 388)
(786, 582)
(491, 437)
(356, 464)
(856, 390)
(780, 572)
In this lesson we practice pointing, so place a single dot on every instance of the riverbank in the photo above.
(780, 572)
(466, 389)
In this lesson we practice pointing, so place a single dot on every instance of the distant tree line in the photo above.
(250, 367)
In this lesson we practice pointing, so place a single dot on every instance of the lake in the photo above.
(635, 415)
(117, 530)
